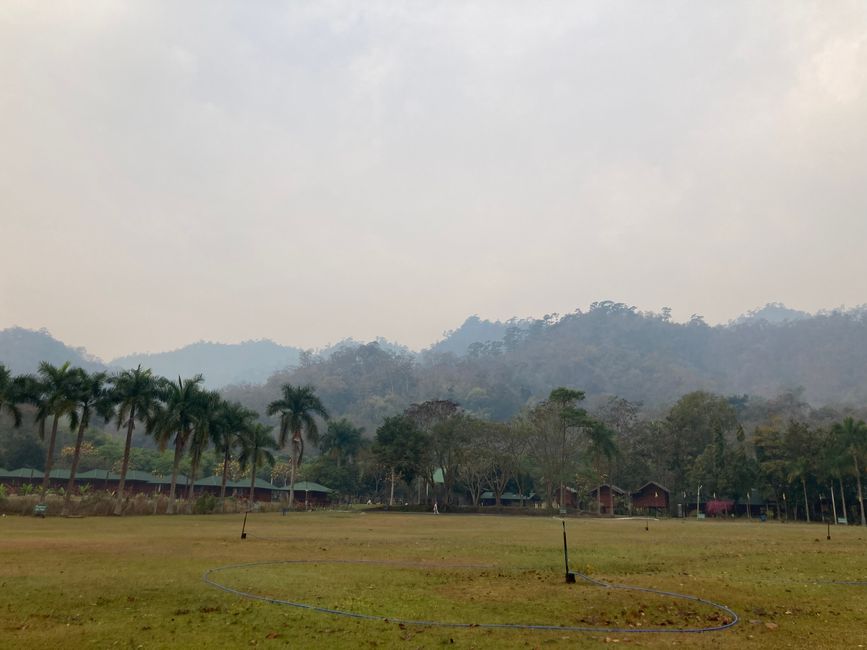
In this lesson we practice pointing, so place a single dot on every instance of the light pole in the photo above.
(698, 502)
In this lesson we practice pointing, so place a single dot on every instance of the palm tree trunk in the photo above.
(292, 473)
(225, 476)
(70, 485)
(253, 484)
(118, 506)
(170, 509)
(843, 500)
(49, 457)
(391, 497)
(860, 494)
(806, 503)
(194, 469)
(833, 503)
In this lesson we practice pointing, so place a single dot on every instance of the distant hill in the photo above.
(496, 368)
(220, 363)
(21, 350)
(774, 313)
(474, 332)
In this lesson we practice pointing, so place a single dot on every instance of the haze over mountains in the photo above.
(496, 367)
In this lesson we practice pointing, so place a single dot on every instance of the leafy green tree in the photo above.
(697, 420)
(175, 420)
(853, 436)
(298, 408)
(54, 394)
(772, 459)
(136, 393)
(91, 397)
(448, 430)
(803, 447)
(602, 449)
(257, 444)
(558, 432)
(401, 446)
(505, 445)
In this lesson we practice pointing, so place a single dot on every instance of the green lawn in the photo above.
(137, 582)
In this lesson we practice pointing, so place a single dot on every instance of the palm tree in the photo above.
(54, 394)
(256, 445)
(342, 440)
(10, 394)
(297, 409)
(237, 420)
(854, 438)
(136, 393)
(91, 396)
(207, 429)
(175, 421)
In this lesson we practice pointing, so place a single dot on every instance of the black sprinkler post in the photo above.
(570, 577)
(244, 527)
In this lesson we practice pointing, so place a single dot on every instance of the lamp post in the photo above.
(698, 502)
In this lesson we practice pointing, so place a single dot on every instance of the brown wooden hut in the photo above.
(651, 497)
(605, 497)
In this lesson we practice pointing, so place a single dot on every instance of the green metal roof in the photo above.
(25, 473)
(97, 475)
(506, 496)
(309, 486)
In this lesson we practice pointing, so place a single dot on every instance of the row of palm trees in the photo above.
(181, 414)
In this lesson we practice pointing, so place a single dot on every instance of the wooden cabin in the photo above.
(651, 497)
(604, 497)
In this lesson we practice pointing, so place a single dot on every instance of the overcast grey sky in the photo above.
(179, 171)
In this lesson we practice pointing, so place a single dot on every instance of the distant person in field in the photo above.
(436, 509)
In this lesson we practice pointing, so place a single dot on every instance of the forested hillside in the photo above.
(21, 350)
(220, 363)
(611, 349)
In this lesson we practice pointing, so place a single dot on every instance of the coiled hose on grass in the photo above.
(207, 578)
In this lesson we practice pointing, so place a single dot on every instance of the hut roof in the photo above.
(653, 484)
(309, 486)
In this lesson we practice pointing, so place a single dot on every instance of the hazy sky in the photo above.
(305, 172)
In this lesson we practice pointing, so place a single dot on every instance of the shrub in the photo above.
(205, 504)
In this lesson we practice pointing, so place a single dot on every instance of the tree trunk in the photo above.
(833, 503)
(860, 494)
(611, 495)
(118, 507)
(391, 496)
(253, 485)
(49, 457)
(170, 508)
(70, 485)
(194, 469)
(225, 476)
(292, 468)
(843, 501)
(806, 503)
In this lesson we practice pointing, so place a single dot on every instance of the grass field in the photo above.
(137, 582)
